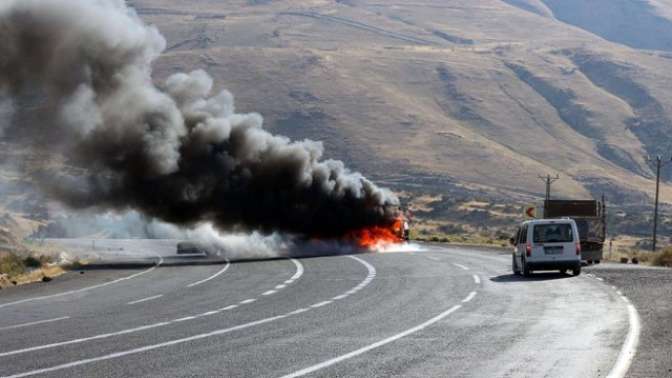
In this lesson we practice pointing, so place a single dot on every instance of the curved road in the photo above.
(434, 312)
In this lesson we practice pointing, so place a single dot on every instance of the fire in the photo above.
(379, 236)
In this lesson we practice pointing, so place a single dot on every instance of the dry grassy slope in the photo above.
(486, 92)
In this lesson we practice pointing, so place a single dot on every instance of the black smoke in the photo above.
(174, 151)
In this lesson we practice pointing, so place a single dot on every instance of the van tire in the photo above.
(526, 269)
(514, 266)
(577, 270)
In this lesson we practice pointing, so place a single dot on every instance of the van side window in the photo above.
(523, 235)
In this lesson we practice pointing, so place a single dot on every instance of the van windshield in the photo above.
(553, 233)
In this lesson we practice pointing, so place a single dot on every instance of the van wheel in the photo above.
(526, 269)
(514, 266)
(576, 271)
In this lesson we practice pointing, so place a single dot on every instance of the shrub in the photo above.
(12, 265)
(664, 258)
(32, 262)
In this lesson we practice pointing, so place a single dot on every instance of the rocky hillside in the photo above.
(482, 93)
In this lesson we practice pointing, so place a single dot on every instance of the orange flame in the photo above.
(377, 236)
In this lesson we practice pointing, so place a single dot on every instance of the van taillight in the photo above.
(578, 249)
(528, 249)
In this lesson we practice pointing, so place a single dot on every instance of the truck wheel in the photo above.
(516, 271)
(577, 270)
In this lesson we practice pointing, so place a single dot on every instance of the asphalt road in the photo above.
(434, 312)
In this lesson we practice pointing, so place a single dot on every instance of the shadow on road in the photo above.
(535, 277)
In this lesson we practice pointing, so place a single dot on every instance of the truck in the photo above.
(591, 219)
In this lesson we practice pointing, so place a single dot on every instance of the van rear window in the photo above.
(553, 233)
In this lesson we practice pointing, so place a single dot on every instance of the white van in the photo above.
(547, 244)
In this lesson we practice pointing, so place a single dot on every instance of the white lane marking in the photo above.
(298, 311)
(477, 279)
(270, 292)
(316, 305)
(248, 301)
(629, 348)
(34, 323)
(370, 267)
(126, 331)
(469, 297)
(146, 348)
(299, 271)
(84, 288)
(339, 297)
(461, 266)
(599, 279)
(145, 299)
(279, 287)
(375, 345)
(210, 313)
(211, 277)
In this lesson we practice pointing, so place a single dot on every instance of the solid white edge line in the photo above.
(155, 346)
(461, 266)
(211, 277)
(145, 299)
(84, 288)
(629, 348)
(33, 323)
(375, 345)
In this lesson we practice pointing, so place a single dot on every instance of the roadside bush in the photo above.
(664, 258)
(32, 262)
(12, 265)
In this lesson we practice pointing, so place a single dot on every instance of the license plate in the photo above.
(553, 250)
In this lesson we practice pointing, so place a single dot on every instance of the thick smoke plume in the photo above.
(176, 151)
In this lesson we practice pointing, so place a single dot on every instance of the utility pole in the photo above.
(549, 180)
(659, 164)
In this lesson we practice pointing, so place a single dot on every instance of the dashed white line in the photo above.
(270, 292)
(127, 331)
(84, 288)
(378, 344)
(248, 301)
(316, 305)
(469, 297)
(211, 277)
(461, 266)
(33, 323)
(477, 279)
(145, 299)
(370, 267)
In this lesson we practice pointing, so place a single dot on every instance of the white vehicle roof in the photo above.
(549, 221)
